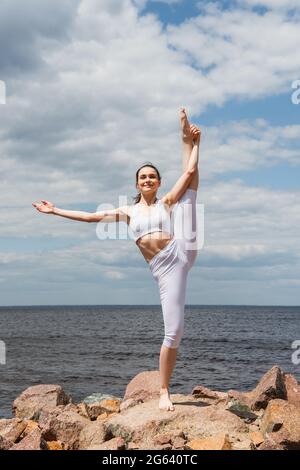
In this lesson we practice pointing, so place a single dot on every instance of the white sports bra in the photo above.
(157, 220)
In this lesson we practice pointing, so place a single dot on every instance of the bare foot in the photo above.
(185, 127)
(165, 402)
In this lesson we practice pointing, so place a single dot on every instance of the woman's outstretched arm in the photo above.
(114, 215)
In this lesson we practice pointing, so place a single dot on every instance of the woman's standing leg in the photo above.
(172, 287)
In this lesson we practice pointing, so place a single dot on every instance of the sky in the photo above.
(94, 89)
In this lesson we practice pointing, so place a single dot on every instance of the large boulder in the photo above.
(141, 423)
(34, 399)
(271, 386)
(144, 386)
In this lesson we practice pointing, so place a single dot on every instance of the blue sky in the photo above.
(94, 89)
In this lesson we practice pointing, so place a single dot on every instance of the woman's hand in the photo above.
(196, 134)
(45, 206)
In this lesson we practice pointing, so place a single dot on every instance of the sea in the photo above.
(101, 348)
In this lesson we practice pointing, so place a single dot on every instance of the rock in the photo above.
(269, 444)
(281, 424)
(116, 443)
(97, 404)
(33, 441)
(11, 429)
(256, 437)
(64, 426)
(5, 444)
(241, 410)
(30, 426)
(271, 386)
(82, 409)
(202, 392)
(143, 422)
(104, 416)
(93, 434)
(144, 386)
(178, 442)
(292, 389)
(55, 445)
(133, 446)
(218, 442)
(125, 404)
(163, 439)
(30, 403)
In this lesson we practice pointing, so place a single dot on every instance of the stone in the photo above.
(125, 404)
(281, 425)
(256, 437)
(97, 404)
(116, 443)
(144, 422)
(241, 409)
(5, 444)
(64, 426)
(30, 403)
(217, 442)
(178, 442)
(55, 445)
(202, 392)
(33, 441)
(11, 429)
(270, 386)
(93, 434)
(163, 439)
(292, 389)
(144, 386)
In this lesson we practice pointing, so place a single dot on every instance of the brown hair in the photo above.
(137, 198)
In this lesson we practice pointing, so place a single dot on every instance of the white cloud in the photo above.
(272, 4)
(95, 91)
(240, 52)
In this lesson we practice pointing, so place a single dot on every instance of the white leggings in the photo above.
(171, 265)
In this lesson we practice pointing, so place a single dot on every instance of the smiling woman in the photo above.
(169, 252)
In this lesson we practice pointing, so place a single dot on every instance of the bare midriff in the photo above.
(152, 243)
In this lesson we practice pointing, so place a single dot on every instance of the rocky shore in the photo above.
(265, 418)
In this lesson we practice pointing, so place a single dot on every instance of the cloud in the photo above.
(240, 52)
(25, 29)
(272, 4)
(93, 90)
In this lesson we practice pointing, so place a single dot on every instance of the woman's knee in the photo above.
(173, 339)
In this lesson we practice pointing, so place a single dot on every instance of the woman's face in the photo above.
(148, 181)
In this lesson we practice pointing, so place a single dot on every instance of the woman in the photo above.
(170, 256)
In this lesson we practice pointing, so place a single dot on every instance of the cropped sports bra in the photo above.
(157, 220)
